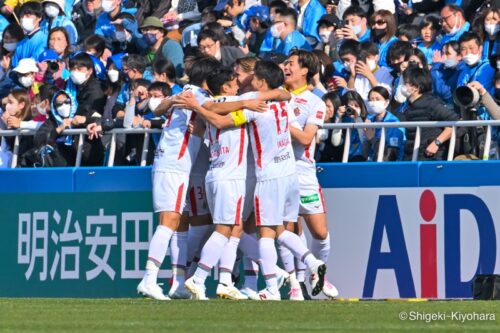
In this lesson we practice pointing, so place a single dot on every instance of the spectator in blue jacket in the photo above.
(453, 23)
(395, 138)
(284, 28)
(383, 32)
(429, 28)
(491, 26)
(35, 41)
(310, 11)
(445, 71)
(104, 26)
(55, 17)
(355, 25)
(270, 43)
(475, 69)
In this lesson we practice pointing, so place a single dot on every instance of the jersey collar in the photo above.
(297, 91)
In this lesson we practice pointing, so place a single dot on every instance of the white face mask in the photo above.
(498, 64)
(41, 110)
(113, 75)
(52, 10)
(154, 102)
(26, 81)
(356, 29)
(372, 64)
(28, 24)
(347, 66)
(450, 63)
(64, 110)
(107, 6)
(491, 29)
(471, 59)
(405, 92)
(78, 77)
(276, 30)
(10, 46)
(376, 107)
(325, 36)
(455, 27)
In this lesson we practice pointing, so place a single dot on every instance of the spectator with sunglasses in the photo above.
(384, 28)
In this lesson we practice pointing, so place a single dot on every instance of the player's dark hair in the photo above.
(269, 72)
(217, 79)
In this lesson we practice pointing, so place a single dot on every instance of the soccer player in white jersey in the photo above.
(276, 194)
(310, 112)
(173, 160)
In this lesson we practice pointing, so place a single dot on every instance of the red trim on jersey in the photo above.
(237, 220)
(257, 211)
(169, 119)
(242, 144)
(307, 153)
(192, 199)
(180, 191)
(322, 199)
(257, 144)
(217, 134)
(185, 142)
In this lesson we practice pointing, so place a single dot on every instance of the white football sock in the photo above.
(287, 258)
(157, 250)
(227, 261)
(300, 267)
(210, 255)
(321, 248)
(299, 250)
(268, 258)
(178, 257)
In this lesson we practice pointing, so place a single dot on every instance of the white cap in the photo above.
(26, 65)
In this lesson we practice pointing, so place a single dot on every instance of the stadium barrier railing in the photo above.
(347, 126)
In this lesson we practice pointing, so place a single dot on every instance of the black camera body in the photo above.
(349, 112)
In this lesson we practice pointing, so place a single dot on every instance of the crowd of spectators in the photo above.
(103, 64)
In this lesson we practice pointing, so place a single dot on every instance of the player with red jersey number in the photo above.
(276, 194)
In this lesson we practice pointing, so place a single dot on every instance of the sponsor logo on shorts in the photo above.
(305, 199)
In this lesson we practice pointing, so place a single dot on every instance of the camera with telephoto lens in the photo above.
(52, 66)
(466, 97)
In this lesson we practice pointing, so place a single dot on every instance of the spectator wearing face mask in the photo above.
(491, 37)
(475, 69)
(126, 38)
(284, 28)
(453, 23)
(24, 75)
(424, 106)
(16, 109)
(160, 46)
(84, 17)
(383, 24)
(445, 71)
(85, 89)
(355, 25)
(31, 15)
(271, 43)
(111, 8)
(327, 26)
(11, 36)
(43, 101)
(395, 138)
(55, 17)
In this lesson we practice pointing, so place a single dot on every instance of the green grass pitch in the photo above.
(142, 315)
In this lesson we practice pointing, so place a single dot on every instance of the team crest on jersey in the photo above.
(319, 114)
